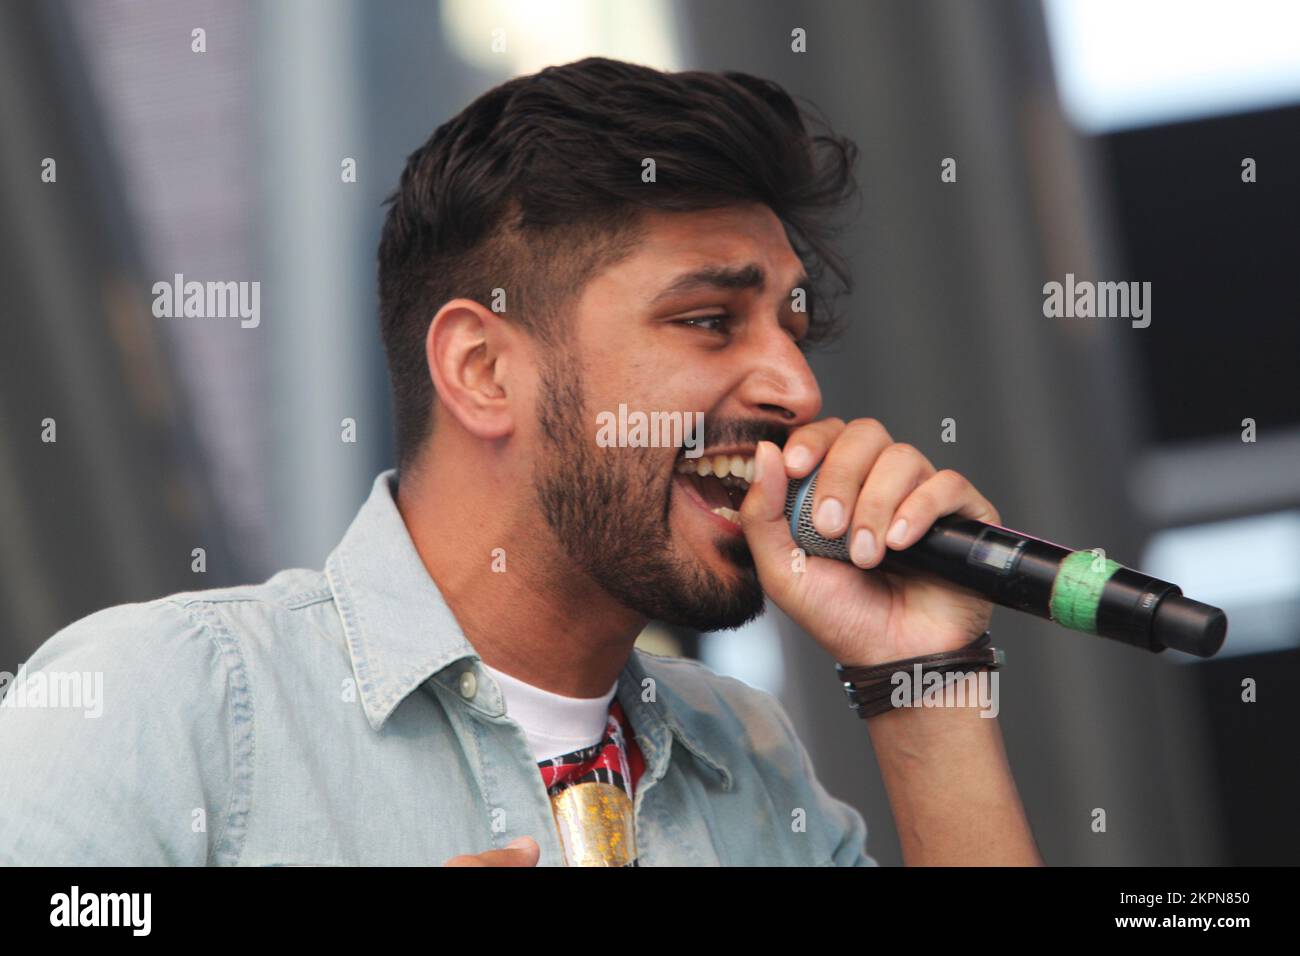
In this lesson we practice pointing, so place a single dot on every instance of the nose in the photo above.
(781, 385)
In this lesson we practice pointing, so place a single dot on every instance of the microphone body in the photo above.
(1081, 590)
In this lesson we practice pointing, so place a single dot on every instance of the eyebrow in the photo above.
(750, 276)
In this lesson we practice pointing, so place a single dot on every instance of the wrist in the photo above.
(878, 653)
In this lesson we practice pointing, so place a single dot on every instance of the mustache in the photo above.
(738, 431)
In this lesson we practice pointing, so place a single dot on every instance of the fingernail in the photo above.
(797, 457)
(830, 514)
(864, 546)
(759, 455)
(898, 531)
(523, 843)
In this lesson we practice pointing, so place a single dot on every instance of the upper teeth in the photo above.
(720, 466)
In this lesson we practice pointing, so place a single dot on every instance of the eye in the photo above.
(721, 319)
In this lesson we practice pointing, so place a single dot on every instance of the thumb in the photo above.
(762, 517)
(523, 851)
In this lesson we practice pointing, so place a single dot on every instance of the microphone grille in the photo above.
(798, 509)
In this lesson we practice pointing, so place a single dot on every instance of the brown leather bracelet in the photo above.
(870, 689)
(880, 697)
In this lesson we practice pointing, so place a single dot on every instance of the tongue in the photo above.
(711, 490)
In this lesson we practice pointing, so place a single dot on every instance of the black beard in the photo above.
(609, 508)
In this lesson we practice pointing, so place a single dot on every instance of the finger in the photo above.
(762, 513)
(898, 470)
(843, 472)
(767, 530)
(806, 446)
(944, 493)
(526, 854)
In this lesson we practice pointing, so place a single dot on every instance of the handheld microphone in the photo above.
(1082, 590)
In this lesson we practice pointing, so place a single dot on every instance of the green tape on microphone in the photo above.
(1076, 592)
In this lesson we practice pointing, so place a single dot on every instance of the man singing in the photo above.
(459, 684)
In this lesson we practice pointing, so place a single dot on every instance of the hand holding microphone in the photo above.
(950, 540)
(1081, 590)
(867, 485)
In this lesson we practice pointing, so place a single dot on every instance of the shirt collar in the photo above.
(400, 633)
(399, 629)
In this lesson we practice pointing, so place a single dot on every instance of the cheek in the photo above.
(648, 374)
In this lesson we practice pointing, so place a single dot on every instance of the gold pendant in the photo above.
(596, 824)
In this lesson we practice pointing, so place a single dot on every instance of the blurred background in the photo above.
(1102, 138)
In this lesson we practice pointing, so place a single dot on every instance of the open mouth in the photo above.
(718, 481)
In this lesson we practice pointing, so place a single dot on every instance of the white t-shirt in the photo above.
(554, 724)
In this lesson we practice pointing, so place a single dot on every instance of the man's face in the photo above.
(700, 318)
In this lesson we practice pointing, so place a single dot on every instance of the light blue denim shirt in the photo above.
(343, 718)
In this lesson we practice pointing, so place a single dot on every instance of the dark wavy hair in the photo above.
(536, 187)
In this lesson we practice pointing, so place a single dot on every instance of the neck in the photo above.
(542, 619)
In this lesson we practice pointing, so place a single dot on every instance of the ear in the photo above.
(470, 350)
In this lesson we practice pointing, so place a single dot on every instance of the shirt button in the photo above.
(468, 685)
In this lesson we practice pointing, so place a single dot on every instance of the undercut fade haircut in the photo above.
(536, 187)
